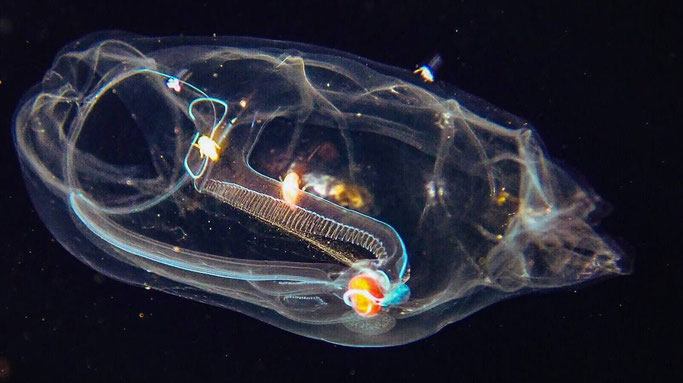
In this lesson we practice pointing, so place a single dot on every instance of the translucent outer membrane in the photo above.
(448, 202)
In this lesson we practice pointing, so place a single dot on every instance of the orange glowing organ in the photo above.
(367, 293)
(290, 188)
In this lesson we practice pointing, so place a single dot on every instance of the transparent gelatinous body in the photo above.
(325, 194)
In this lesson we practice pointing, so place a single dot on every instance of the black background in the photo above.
(601, 83)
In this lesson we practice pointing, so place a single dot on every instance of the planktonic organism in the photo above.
(317, 191)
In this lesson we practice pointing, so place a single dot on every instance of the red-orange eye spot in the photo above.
(362, 304)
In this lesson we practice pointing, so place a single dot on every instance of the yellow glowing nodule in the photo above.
(347, 196)
(502, 197)
(207, 147)
(290, 188)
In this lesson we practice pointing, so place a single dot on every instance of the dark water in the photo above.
(602, 86)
